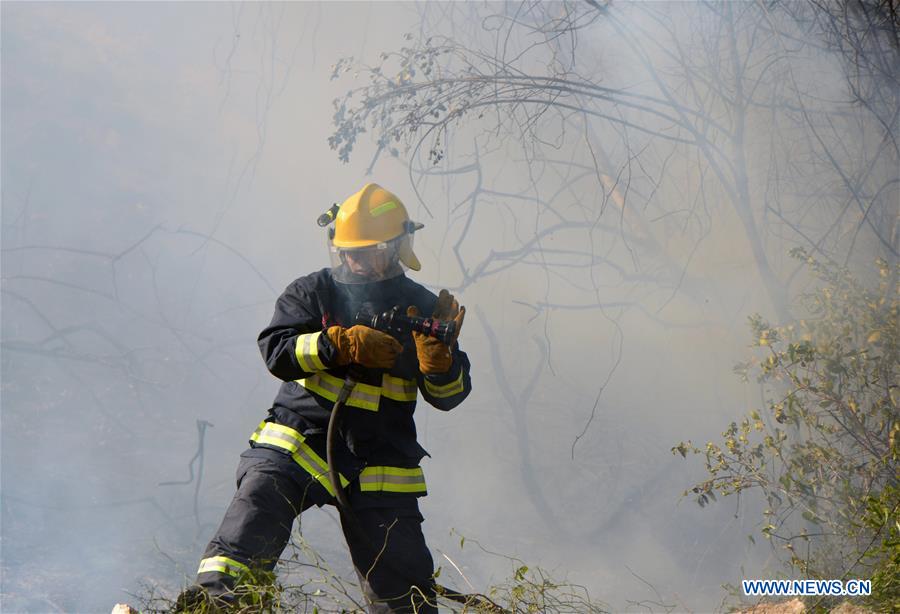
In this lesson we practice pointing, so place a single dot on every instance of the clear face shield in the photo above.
(361, 265)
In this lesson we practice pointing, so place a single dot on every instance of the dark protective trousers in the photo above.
(391, 559)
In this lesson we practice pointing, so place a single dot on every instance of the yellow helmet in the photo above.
(374, 219)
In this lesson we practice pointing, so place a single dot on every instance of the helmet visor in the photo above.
(367, 264)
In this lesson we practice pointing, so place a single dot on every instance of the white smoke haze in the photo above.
(163, 165)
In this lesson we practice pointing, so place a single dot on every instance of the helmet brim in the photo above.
(407, 256)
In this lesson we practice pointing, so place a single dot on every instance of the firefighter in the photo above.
(310, 344)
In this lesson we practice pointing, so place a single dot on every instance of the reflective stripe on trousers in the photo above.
(222, 564)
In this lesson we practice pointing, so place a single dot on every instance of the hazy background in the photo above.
(163, 165)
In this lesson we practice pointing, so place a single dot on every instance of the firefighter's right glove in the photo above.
(364, 346)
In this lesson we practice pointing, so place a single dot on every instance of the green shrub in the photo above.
(824, 451)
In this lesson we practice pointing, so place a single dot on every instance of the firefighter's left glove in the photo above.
(364, 346)
(434, 355)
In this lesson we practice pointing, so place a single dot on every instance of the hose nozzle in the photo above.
(401, 324)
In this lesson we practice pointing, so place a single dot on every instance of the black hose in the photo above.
(330, 438)
(347, 512)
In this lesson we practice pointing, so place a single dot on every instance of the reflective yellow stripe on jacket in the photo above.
(323, 384)
(374, 478)
(286, 438)
(399, 389)
(364, 396)
(392, 479)
(307, 352)
(222, 564)
(447, 390)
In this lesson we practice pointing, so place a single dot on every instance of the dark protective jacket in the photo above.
(378, 431)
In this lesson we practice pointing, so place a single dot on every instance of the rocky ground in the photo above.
(795, 606)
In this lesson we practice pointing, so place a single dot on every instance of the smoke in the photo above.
(162, 168)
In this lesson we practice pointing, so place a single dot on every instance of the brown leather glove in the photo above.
(447, 308)
(434, 355)
(365, 346)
